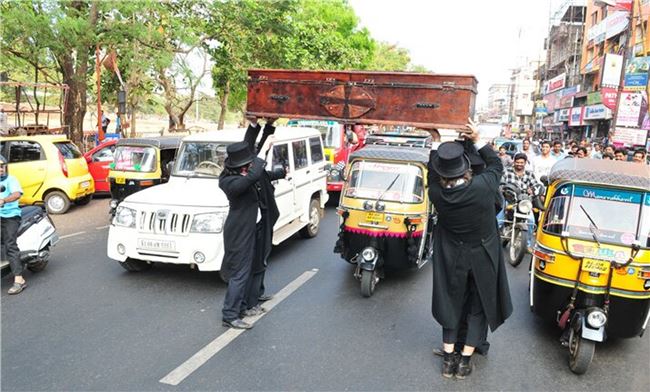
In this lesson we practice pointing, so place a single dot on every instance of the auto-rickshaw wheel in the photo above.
(368, 282)
(517, 248)
(581, 352)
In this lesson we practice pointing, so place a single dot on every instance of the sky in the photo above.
(485, 38)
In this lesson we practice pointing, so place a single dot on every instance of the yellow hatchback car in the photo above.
(50, 169)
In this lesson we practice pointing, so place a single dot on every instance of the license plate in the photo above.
(161, 245)
(374, 217)
(120, 180)
(596, 266)
(85, 184)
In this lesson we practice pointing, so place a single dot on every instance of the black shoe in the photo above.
(265, 297)
(237, 324)
(465, 367)
(449, 364)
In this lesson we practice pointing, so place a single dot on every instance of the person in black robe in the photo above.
(469, 278)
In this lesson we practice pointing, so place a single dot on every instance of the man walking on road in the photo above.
(470, 271)
(10, 193)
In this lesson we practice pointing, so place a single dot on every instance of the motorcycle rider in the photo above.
(10, 192)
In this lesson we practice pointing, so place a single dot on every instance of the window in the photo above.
(68, 150)
(280, 155)
(316, 149)
(386, 181)
(196, 159)
(603, 12)
(594, 18)
(135, 158)
(104, 155)
(24, 151)
(300, 154)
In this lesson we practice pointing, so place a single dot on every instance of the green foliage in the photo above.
(388, 57)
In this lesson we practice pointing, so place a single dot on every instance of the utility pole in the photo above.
(626, 55)
(98, 71)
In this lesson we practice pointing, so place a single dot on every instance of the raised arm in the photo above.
(235, 185)
(251, 134)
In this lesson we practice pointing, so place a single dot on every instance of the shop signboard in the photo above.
(616, 23)
(557, 83)
(629, 109)
(566, 102)
(594, 98)
(551, 100)
(636, 73)
(608, 95)
(576, 116)
(612, 70)
(563, 115)
(629, 136)
(597, 112)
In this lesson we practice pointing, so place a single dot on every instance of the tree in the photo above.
(389, 57)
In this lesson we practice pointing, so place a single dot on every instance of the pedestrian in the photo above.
(470, 270)
(557, 152)
(609, 149)
(118, 123)
(10, 193)
(527, 150)
(581, 152)
(597, 153)
(4, 128)
(543, 163)
(251, 215)
(506, 161)
(639, 156)
(105, 122)
(620, 154)
(574, 150)
(607, 156)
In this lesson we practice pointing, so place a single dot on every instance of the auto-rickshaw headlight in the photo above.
(367, 205)
(596, 318)
(113, 204)
(380, 206)
(525, 206)
(335, 173)
(368, 254)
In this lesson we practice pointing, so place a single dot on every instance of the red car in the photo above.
(99, 160)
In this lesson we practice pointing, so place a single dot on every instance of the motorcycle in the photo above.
(36, 237)
(517, 225)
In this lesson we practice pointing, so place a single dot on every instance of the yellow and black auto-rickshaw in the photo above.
(590, 271)
(385, 212)
(140, 163)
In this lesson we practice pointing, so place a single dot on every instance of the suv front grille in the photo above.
(171, 223)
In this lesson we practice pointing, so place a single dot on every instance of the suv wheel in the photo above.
(56, 202)
(311, 230)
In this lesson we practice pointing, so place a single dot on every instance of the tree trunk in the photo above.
(38, 103)
(224, 105)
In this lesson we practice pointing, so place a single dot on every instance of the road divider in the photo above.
(177, 375)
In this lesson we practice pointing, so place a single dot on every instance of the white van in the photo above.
(181, 221)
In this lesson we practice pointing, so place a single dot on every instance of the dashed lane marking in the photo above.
(102, 227)
(72, 235)
(177, 375)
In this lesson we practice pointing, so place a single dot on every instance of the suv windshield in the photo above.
(200, 159)
(135, 158)
(391, 182)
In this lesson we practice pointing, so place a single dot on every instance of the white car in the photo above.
(181, 221)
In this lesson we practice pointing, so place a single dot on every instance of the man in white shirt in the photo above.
(542, 164)
(557, 152)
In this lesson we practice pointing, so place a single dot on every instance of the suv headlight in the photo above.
(525, 206)
(211, 222)
(124, 216)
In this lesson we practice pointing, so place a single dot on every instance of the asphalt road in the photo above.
(86, 324)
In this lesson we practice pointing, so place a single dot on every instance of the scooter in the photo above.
(36, 237)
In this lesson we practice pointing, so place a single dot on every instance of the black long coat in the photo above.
(467, 232)
(266, 194)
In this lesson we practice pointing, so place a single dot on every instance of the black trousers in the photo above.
(474, 318)
(255, 285)
(8, 237)
(240, 276)
(253, 290)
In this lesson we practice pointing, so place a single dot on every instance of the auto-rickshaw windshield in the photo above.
(618, 215)
(388, 181)
(135, 158)
(200, 159)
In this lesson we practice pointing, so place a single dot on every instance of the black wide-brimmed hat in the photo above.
(239, 154)
(451, 160)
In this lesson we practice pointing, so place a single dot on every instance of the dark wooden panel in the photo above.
(423, 100)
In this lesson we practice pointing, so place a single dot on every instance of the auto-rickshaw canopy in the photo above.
(393, 153)
(605, 172)
(162, 143)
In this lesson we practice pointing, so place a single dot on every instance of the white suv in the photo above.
(181, 222)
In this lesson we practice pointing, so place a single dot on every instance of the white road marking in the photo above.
(102, 227)
(177, 375)
(72, 235)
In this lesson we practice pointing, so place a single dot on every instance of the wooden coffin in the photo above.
(417, 99)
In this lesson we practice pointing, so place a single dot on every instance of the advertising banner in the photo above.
(576, 116)
(563, 115)
(612, 68)
(636, 74)
(597, 112)
(551, 100)
(566, 102)
(557, 83)
(616, 23)
(608, 96)
(594, 98)
(629, 136)
(629, 109)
